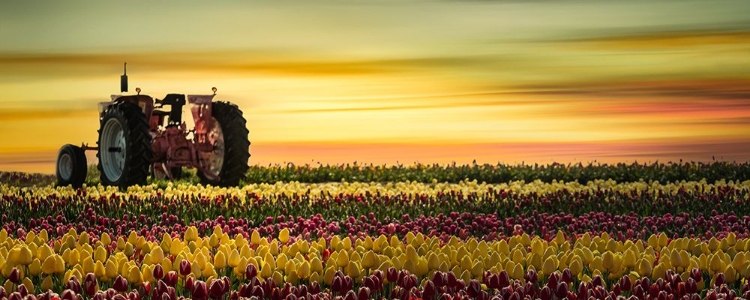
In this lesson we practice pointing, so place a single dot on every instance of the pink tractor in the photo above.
(138, 137)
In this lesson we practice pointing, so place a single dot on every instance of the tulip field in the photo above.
(624, 231)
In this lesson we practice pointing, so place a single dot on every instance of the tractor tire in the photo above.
(71, 166)
(124, 146)
(230, 158)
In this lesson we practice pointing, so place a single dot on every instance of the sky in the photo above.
(389, 82)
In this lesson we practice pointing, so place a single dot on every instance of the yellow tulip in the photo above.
(59, 264)
(99, 270)
(255, 237)
(234, 258)
(517, 272)
(35, 268)
(157, 255)
(284, 235)
(608, 262)
(129, 250)
(9, 286)
(278, 278)
(575, 266)
(120, 243)
(105, 239)
(629, 259)
(46, 283)
(316, 265)
(100, 254)
(644, 267)
(328, 275)
(88, 265)
(111, 268)
(29, 285)
(83, 239)
(716, 265)
(730, 274)
(289, 266)
(353, 270)
(220, 260)
(304, 270)
(549, 266)
(132, 238)
(147, 273)
(343, 259)
(43, 252)
(134, 275)
(476, 270)
(597, 264)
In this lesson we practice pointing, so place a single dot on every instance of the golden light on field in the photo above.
(394, 82)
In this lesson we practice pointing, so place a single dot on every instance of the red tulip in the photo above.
(391, 274)
(251, 271)
(68, 294)
(21, 289)
(185, 268)
(545, 293)
(474, 288)
(120, 284)
(189, 283)
(90, 284)
(363, 294)
(216, 290)
(171, 278)
(158, 271)
(15, 276)
(200, 290)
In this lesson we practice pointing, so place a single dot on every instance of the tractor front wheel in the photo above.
(71, 166)
(124, 146)
(229, 135)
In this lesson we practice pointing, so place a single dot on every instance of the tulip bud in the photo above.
(185, 268)
(364, 293)
(15, 276)
(189, 283)
(171, 278)
(474, 288)
(336, 284)
(120, 284)
(216, 290)
(158, 271)
(68, 295)
(720, 279)
(391, 274)
(90, 286)
(545, 293)
(23, 290)
(200, 291)
(251, 271)
(350, 295)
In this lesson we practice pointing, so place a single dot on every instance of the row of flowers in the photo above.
(335, 201)
(498, 173)
(415, 265)
(492, 173)
(488, 227)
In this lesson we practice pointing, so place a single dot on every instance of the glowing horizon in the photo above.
(395, 82)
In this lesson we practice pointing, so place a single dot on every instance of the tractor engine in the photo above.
(171, 143)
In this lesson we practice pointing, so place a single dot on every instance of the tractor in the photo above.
(141, 136)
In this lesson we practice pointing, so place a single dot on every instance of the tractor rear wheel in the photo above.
(71, 166)
(124, 146)
(229, 135)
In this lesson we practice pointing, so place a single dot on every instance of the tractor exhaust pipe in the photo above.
(124, 79)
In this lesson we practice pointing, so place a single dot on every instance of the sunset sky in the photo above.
(394, 81)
